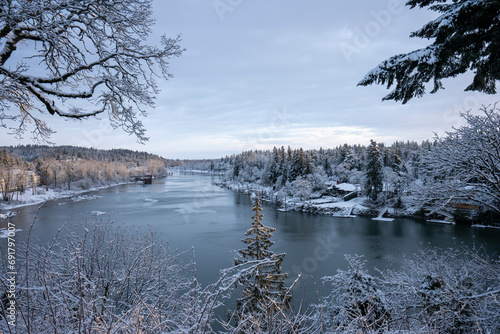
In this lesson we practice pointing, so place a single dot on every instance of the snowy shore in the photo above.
(42, 195)
(327, 205)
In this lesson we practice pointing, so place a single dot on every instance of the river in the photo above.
(190, 211)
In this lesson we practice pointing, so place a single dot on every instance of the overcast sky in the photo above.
(258, 74)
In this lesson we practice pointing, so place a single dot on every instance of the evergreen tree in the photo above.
(465, 37)
(357, 304)
(307, 164)
(285, 158)
(327, 167)
(373, 169)
(264, 290)
(274, 167)
(237, 166)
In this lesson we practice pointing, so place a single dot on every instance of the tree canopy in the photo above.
(76, 59)
(465, 37)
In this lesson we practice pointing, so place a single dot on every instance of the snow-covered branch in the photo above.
(91, 52)
(463, 38)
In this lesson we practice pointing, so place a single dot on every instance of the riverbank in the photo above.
(42, 194)
(316, 203)
(336, 206)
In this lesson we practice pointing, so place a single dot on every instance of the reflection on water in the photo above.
(189, 211)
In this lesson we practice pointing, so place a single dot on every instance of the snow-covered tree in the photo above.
(446, 291)
(274, 167)
(356, 304)
(301, 188)
(327, 167)
(464, 37)
(102, 277)
(264, 292)
(373, 169)
(466, 162)
(90, 52)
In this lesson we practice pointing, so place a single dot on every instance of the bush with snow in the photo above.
(102, 278)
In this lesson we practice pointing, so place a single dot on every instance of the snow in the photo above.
(328, 205)
(381, 217)
(485, 226)
(384, 219)
(7, 214)
(346, 186)
(323, 200)
(439, 221)
(427, 55)
(42, 195)
(98, 213)
(345, 208)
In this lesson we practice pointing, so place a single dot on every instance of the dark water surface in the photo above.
(190, 211)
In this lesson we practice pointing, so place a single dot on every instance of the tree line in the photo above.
(459, 169)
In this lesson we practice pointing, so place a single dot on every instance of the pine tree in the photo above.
(285, 159)
(274, 167)
(237, 166)
(465, 37)
(264, 291)
(373, 169)
(327, 166)
(356, 304)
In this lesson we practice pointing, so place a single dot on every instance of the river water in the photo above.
(190, 211)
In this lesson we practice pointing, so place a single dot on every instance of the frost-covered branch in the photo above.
(466, 162)
(106, 279)
(89, 52)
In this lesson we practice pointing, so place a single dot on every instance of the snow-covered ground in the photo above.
(335, 206)
(347, 187)
(41, 195)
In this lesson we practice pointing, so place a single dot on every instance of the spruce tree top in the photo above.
(258, 237)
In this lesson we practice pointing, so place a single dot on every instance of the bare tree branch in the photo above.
(91, 52)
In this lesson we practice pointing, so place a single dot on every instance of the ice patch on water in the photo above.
(4, 233)
(85, 198)
(7, 214)
(98, 213)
